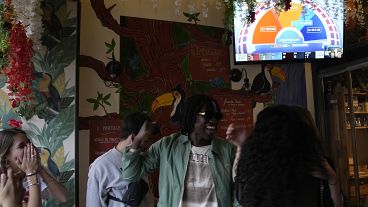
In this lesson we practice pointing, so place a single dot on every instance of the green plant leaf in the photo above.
(91, 100)
(99, 96)
(69, 165)
(107, 97)
(109, 50)
(107, 102)
(65, 102)
(65, 176)
(68, 92)
(187, 14)
(95, 106)
(60, 128)
(113, 43)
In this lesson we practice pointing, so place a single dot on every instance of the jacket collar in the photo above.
(215, 145)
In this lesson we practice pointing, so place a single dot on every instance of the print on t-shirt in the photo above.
(199, 190)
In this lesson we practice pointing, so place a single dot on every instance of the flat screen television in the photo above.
(309, 30)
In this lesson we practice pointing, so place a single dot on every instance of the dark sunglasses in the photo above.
(209, 115)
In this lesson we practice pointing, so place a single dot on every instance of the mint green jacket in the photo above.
(171, 154)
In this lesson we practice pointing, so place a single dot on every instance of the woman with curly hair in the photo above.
(282, 163)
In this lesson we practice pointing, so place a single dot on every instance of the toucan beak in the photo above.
(166, 99)
(278, 72)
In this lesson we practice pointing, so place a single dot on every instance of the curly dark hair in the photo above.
(192, 107)
(282, 150)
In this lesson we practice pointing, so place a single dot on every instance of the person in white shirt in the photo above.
(106, 186)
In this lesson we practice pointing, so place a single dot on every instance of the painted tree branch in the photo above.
(96, 65)
(105, 16)
(83, 122)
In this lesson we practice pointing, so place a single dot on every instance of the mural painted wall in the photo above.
(94, 35)
(47, 114)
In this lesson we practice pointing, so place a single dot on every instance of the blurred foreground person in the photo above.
(7, 189)
(283, 164)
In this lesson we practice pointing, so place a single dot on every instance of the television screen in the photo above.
(309, 30)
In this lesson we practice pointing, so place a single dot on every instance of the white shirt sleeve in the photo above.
(95, 189)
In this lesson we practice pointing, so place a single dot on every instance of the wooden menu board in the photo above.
(208, 62)
(237, 109)
(104, 135)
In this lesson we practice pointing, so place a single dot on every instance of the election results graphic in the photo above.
(308, 30)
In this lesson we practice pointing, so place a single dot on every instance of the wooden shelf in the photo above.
(360, 94)
(359, 112)
(363, 127)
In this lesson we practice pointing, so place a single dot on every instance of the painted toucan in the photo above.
(46, 161)
(260, 84)
(277, 75)
(48, 91)
(175, 98)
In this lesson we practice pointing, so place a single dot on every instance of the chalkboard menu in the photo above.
(237, 109)
(208, 62)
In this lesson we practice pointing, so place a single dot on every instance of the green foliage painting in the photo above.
(49, 119)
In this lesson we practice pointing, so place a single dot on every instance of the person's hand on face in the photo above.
(236, 136)
(30, 161)
(7, 189)
(148, 128)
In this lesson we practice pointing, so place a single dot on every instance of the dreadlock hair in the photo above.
(283, 149)
(192, 107)
(132, 123)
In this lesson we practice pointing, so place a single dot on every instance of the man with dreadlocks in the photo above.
(195, 165)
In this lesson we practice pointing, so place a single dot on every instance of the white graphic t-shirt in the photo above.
(199, 189)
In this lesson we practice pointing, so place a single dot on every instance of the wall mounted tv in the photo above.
(309, 30)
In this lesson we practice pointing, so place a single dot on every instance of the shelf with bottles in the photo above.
(359, 106)
(361, 122)
(364, 127)
(362, 170)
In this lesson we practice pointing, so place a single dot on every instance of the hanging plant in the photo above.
(21, 29)
(4, 39)
(29, 14)
(20, 68)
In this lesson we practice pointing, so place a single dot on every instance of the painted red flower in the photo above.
(15, 123)
(20, 68)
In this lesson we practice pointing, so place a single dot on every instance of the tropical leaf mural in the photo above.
(49, 119)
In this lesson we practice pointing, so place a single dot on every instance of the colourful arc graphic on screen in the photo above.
(305, 30)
